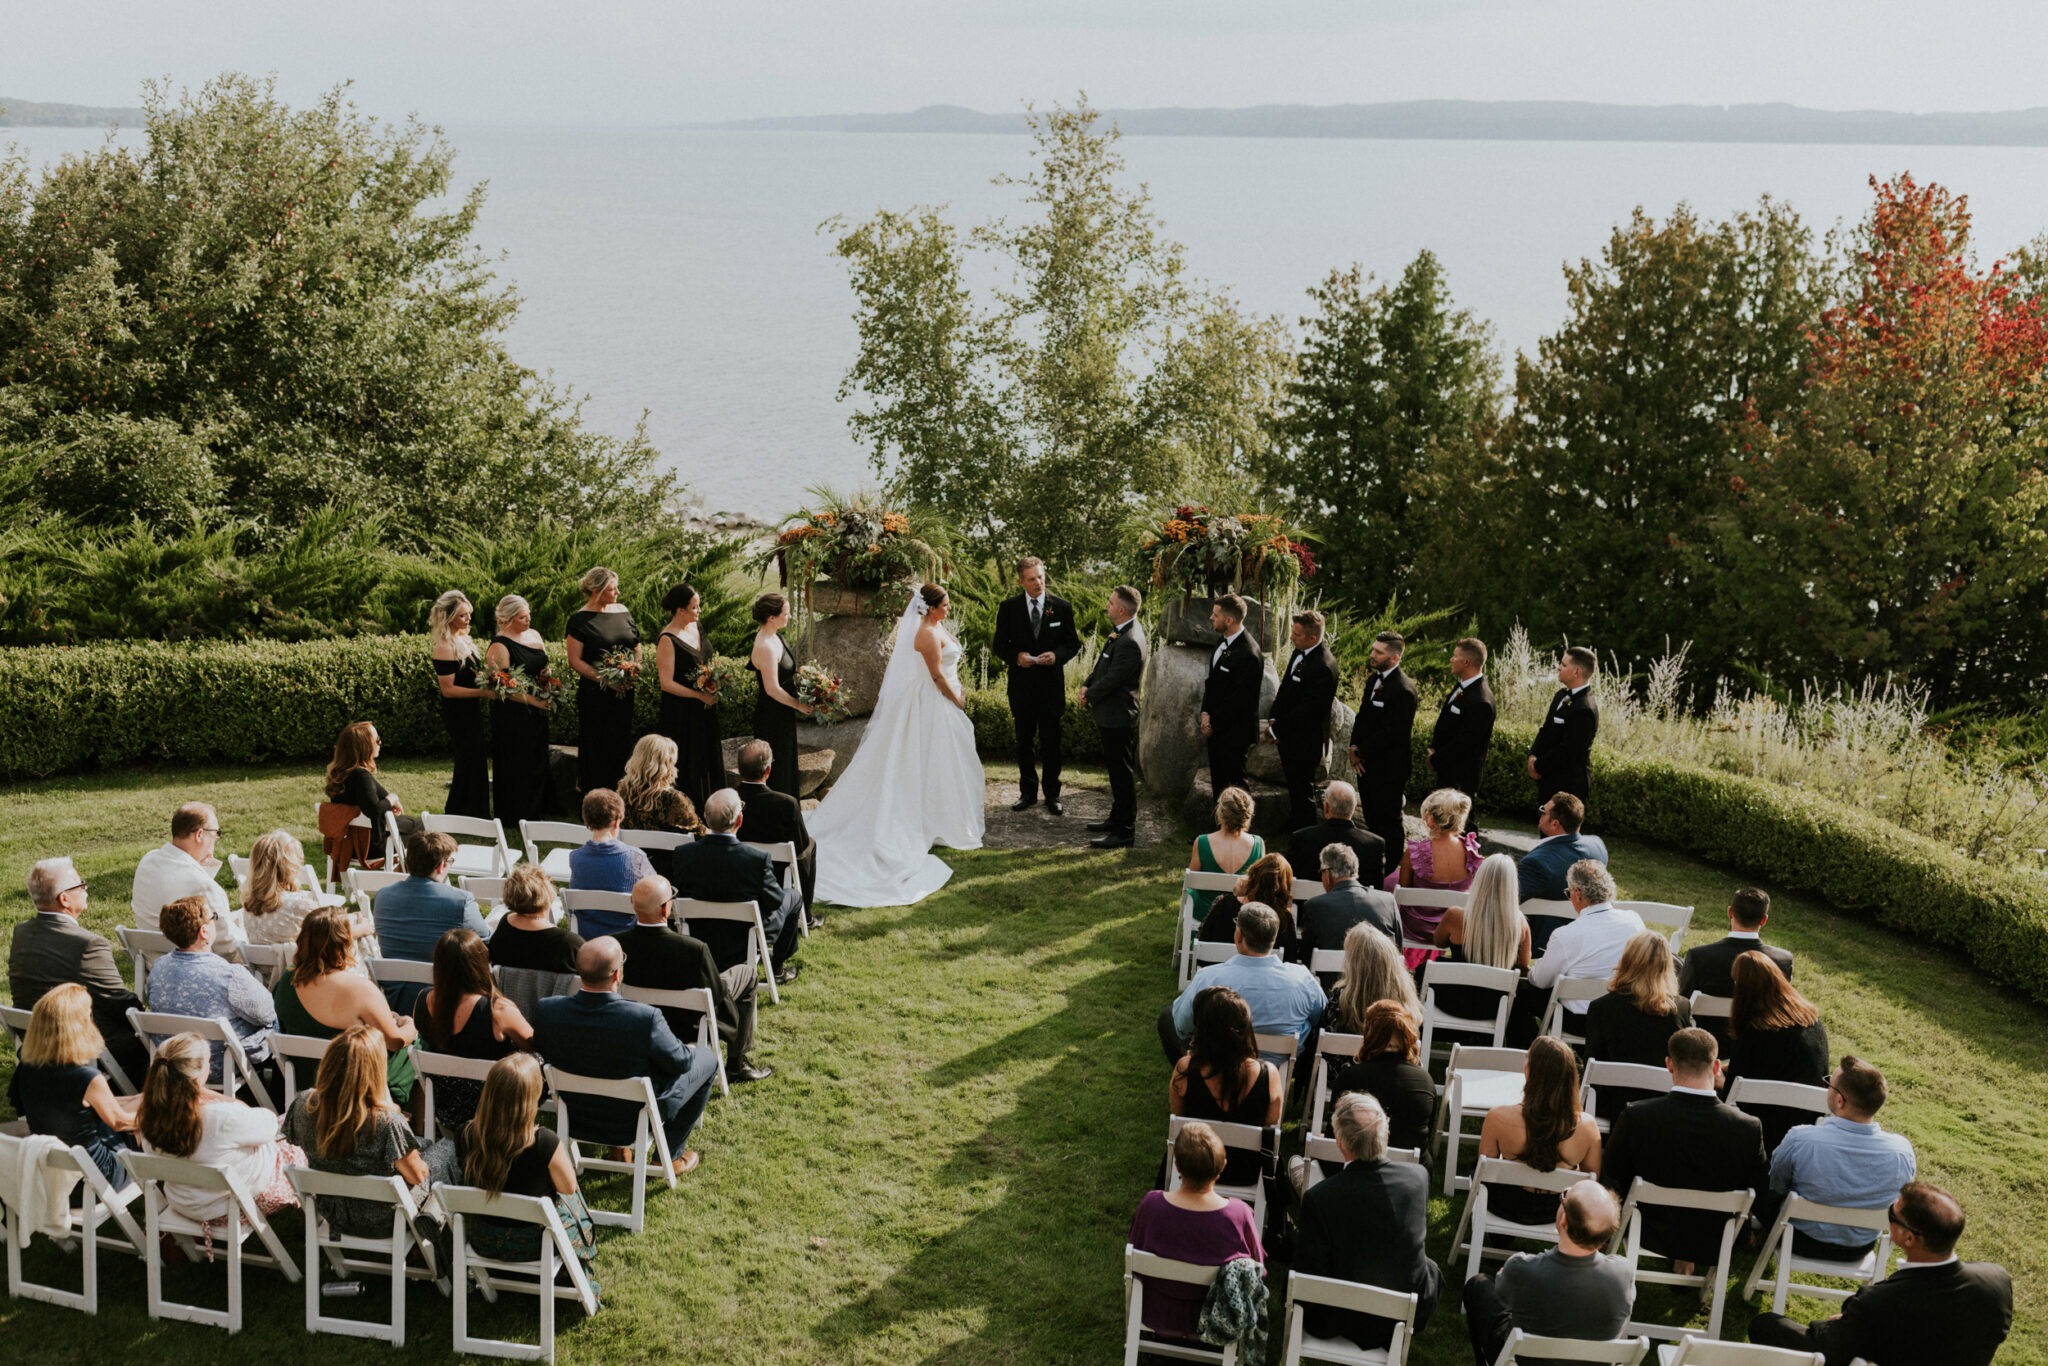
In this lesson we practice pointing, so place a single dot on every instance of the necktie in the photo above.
(1034, 616)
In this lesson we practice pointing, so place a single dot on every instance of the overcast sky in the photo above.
(663, 61)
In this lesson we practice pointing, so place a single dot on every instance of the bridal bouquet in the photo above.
(514, 682)
(821, 688)
(618, 669)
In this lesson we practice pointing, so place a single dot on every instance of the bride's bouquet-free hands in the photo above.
(822, 690)
(618, 669)
(512, 683)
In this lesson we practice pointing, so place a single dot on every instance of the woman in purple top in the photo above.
(1191, 1223)
(1445, 860)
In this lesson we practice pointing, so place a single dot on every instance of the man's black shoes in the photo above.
(1052, 804)
(1115, 839)
(1024, 803)
(1098, 827)
(734, 1076)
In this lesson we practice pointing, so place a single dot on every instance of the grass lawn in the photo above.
(969, 1102)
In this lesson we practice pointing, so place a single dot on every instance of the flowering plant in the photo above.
(853, 540)
(513, 682)
(618, 669)
(1205, 552)
(822, 689)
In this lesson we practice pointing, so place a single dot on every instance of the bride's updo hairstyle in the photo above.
(932, 594)
(769, 606)
(678, 598)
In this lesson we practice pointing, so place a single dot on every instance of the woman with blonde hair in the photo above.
(1373, 971)
(352, 781)
(57, 1086)
(1443, 860)
(1642, 1009)
(348, 1125)
(519, 723)
(1269, 881)
(181, 1116)
(1491, 933)
(1229, 848)
(527, 935)
(653, 801)
(602, 630)
(462, 702)
(323, 995)
(505, 1151)
(274, 904)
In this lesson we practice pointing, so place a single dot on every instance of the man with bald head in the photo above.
(598, 1033)
(661, 957)
(717, 867)
(1572, 1291)
(1340, 808)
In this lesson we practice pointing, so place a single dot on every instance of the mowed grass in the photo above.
(969, 1101)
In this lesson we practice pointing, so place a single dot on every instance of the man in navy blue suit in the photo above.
(1540, 875)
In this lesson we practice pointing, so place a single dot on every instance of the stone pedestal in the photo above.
(1170, 741)
(1185, 621)
(846, 636)
(1269, 811)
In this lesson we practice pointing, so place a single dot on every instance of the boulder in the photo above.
(856, 647)
(1265, 759)
(815, 764)
(1269, 810)
(1185, 621)
(1170, 742)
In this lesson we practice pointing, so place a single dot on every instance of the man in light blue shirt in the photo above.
(413, 915)
(1285, 998)
(1844, 1159)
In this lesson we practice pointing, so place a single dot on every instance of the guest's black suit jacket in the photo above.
(663, 958)
(1694, 1142)
(773, 817)
(1953, 1315)
(51, 949)
(720, 868)
(1711, 967)
(1301, 709)
(1305, 850)
(1367, 1223)
(1230, 694)
(1113, 683)
(1384, 734)
(1464, 729)
(1563, 747)
(1323, 921)
(1037, 686)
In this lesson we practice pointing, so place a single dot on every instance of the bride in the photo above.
(915, 780)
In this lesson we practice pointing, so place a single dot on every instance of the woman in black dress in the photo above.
(352, 781)
(688, 714)
(462, 704)
(776, 712)
(519, 724)
(1777, 1036)
(604, 714)
(465, 1015)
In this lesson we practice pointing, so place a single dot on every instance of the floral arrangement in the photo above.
(1205, 552)
(855, 541)
(618, 669)
(719, 673)
(822, 689)
(514, 682)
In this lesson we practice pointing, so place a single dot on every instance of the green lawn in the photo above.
(969, 1101)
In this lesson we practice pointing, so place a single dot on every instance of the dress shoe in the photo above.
(786, 974)
(814, 920)
(618, 1154)
(1052, 804)
(1099, 827)
(1115, 839)
(687, 1163)
(1024, 803)
(735, 1075)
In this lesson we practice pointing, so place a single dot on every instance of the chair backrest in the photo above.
(1322, 1148)
(468, 1202)
(384, 971)
(235, 1073)
(1467, 1057)
(617, 903)
(1705, 1007)
(1693, 1351)
(1430, 897)
(1193, 881)
(487, 890)
(1619, 1076)
(1747, 1093)
(363, 884)
(1514, 1173)
(269, 961)
(783, 852)
(1235, 1137)
(1877, 1221)
(144, 948)
(1522, 1346)
(658, 839)
(489, 829)
(1209, 951)
(1557, 1021)
(1326, 961)
(697, 1000)
(1440, 973)
(429, 1067)
(1332, 1052)
(294, 1048)
(1167, 1269)
(1303, 1288)
(566, 834)
(1443, 972)
(1538, 907)
(1306, 888)
(1676, 920)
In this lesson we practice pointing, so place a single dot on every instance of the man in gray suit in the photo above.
(1111, 695)
(51, 948)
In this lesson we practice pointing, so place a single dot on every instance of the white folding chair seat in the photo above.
(1618, 1076)
(1440, 973)
(647, 1125)
(236, 1072)
(144, 948)
(15, 1019)
(1777, 1250)
(1428, 898)
(689, 909)
(1710, 1352)
(153, 1171)
(1304, 1289)
(697, 999)
(103, 1220)
(1710, 1281)
(1522, 1346)
(1236, 1138)
(429, 1067)
(1333, 1051)
(1674, 920)
(539, 1277)
(1187, 926)
(1566, 1025)
(291, 1049)
(1476, 1080)
(564, 835)
(1479, 1218)
(1750, 1094)
(269, 962)
(1139, 1339)
(363, 884)
(1281, 1050)
(348, 1254)
(575, 904)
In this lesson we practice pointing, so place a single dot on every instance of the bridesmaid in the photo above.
(519, 726)
(604, 715)
(686, 710)
(776, 712)
(462, 703)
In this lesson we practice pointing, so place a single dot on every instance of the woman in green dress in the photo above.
(1230, 848)
(324, 995)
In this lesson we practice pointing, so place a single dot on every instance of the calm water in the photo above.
(682, 273)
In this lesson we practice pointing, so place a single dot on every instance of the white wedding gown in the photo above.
(914, 782)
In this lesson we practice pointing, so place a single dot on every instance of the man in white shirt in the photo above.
(1591, 945)
(187, 867)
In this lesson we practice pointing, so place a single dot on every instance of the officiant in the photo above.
(1035, 637)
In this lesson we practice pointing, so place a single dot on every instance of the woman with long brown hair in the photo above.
(468, 1017)
(1389, 1068)
(1221, 1076)
(349, 1125)
(181, 1116)
(352, 781)
(1545, 1130)
(323, 995)
(505, 1151)
(1270, 881)
(57, 1086)
(777, 707)
(1776, 1035)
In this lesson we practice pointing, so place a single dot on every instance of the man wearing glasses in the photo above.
(1845, 1159)
(1935, 1310)
(51, 948)
(187, 866)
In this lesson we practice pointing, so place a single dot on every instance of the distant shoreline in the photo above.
(16, 113)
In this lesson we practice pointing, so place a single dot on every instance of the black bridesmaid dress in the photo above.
(519, 745)
(776, 723)
(470, 793)
(604, 719)
(700, 755)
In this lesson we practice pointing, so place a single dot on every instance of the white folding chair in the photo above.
(236, 1071)
(640, 1090)
(783, 855)
(1323, 962)
(564, 835)
(689, 909)
(1236, 1138)
(1138, 1338)
(1710, 1281)
(430, 1067)
(697, 999)
(1522, 1346)
(269, 962)
(144, 948)
(103, 1220)
(1674, 920)
(488, 891)
(239, 866)
(363, 884)
(348, 1253)
(293, 1049)
(538, 1276)
(1332, 1052)
(153, 1171)
(493, 858)
(1428, 898)
(1566, 1025)
(1539, 908)
(384, 971)
(1304, 1289)
(1706, 1008)
(1186, 926)
(15, 1019)
(1617, 1076)
(1305, 889)
(575, 904)
(1281, 1050)
(1777, 1250)
(1439, 973)
(1476, 1080)
(1750, 1094)
(1480, 1220)
(668, 840)
(1708, 1352)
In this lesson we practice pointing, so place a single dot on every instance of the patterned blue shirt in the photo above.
(1837, 1161)
(209, 986)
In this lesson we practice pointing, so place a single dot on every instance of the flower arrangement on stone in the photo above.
(1203, 552)
(854, 541)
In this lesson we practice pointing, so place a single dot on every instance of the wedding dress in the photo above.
(914, 782)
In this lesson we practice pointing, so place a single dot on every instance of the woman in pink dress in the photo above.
(1445, 860)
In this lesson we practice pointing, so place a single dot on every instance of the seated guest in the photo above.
(776, 817)
(1284, 997)
(1367, 1223)
(50, 949)
(185, 867)
(1191, 1223)
(1541, 873)
(352, 781)
(348, 1125)
(1221, 1077)
(1388, 1068)
(324, 994)
(717, 867)
(1490, 933)
(181, 1116)
(598, 1033)
(1229, 848)
(1687, 1139)
(57, 1086)
(653, 801)
(196, 981)
(274, 905)
(1777, 1036)
(1710, 968)
(604, 864)
(662, 958)
(1575, 1290)
(504, 1150)
(467, 1017)
(1340, 805)
(1642, 1008)
(1846, 1159)
(1373, 971)
(1936, 1310)
(527, 935)
(413, 915)
(1270, 882)
(1325, 920)
(1545, 1130)
(1591, 945)
(1443, 860)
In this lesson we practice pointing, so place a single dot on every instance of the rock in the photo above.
(1265, 759)
(856, 647)
(1269, 810)
(814, 763)
(812, 766)
(840, 740)
(1170, 742)
(1185, 621)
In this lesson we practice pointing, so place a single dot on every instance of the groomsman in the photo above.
(1464, 725)
(1111, 696)
(1035, 638)
(1300, 721)
(1561, 758)
(1230, 696)
(1382, 744)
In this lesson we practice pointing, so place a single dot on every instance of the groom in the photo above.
(1035, 638)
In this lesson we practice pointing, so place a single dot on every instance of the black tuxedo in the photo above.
(1367, 1223)
(1113, 701)
(1230, 696)
(1038, 695)
(663, 958)
(1300, 722)
(1464, 729)
(720, 868)
(1950, 1315)
(1305, 851)
(773, 817)
(1563, 748)
(1384, 736)
(1711, 967)
(1693, 1142)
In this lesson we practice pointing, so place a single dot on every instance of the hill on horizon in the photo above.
(16, 113)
